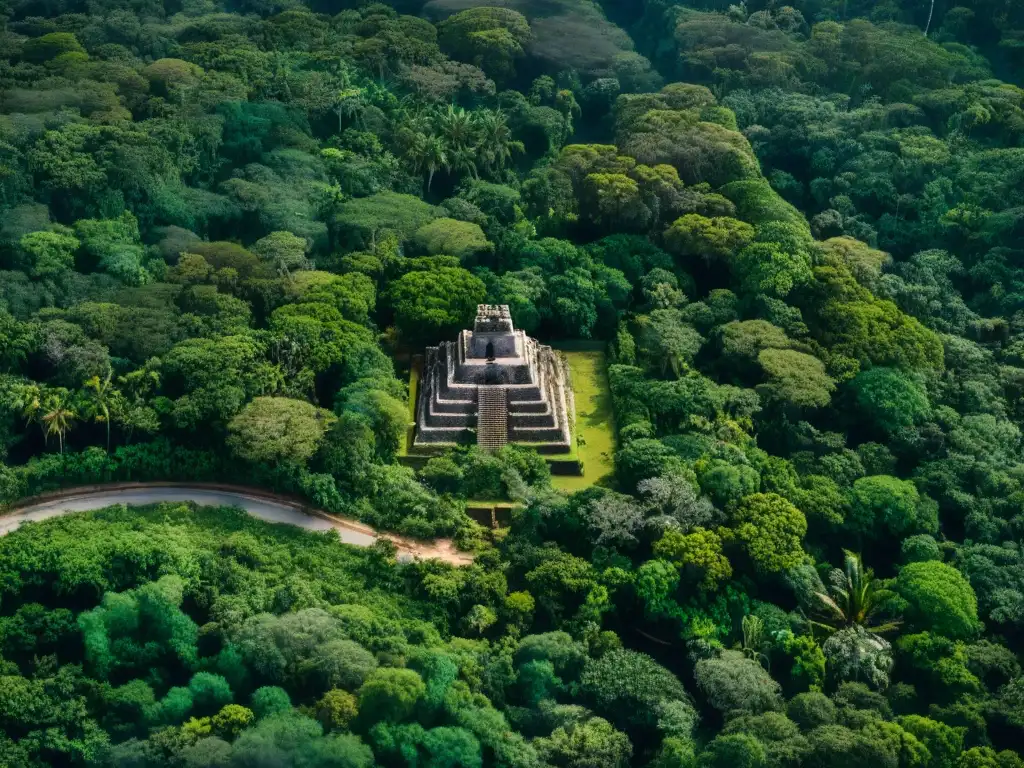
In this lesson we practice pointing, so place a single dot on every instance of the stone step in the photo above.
(492, 419)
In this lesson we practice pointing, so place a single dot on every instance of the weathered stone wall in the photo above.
(493, 318)
(501, 344)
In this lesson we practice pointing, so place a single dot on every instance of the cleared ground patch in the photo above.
(595, 420)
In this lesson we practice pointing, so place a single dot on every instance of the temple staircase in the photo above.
(492, 422)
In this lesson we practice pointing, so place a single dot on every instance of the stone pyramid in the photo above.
(494, 385)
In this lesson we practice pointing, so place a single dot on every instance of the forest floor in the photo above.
(268, 507)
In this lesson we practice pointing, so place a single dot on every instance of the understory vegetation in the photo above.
(798, 230)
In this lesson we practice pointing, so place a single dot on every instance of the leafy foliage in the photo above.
(225, 228)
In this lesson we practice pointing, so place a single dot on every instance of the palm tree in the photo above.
(99, 396)
(428, 153)
(58, 414)
(412, 115)
(458, 128)
(349, 104)
(464, 159)
(29, 400)
(856, 597)
(496, 144)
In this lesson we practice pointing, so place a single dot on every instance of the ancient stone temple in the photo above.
(494, 385)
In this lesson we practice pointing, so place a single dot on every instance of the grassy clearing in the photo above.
(595, 421)
(415, 372)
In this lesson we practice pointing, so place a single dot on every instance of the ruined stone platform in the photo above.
(494, 385)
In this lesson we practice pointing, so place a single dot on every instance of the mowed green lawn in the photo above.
(595, 421)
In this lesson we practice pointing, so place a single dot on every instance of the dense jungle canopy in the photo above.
(797, 229)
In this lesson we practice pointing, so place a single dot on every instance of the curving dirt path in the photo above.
(261, 505)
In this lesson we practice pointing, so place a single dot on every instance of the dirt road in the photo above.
(262, 506)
